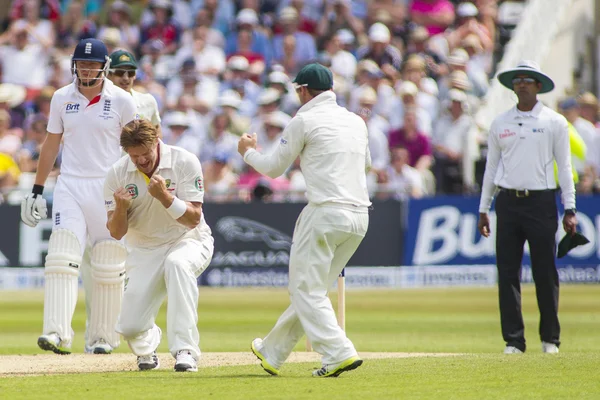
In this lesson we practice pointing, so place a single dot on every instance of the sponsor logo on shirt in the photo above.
(170, 185)
(538, 130)
(198, 183)
(283, 141)
(72, 108)
(507, 133)
(133, 190)
(108, 203)
(57, 219)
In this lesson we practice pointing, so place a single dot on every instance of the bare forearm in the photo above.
(48, 155)
(117, 223)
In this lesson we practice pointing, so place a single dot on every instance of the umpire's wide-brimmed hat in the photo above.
(530, 68)
(569, 242)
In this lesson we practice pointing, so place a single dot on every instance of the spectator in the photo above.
(305, 48)
(408, 93)
(248, 19)
(11, 100)
(40, 27)
(467, 24)
(120, 16)
(585, 129)
(9, 172)
(244, 46)
(281, 82)
(74, 26)
(209, 60)
(414, 70)
(274, 124)
(409, 137)
(156, 64)
(588, 107)
(379, 49)
(419, 44)
(10, 143)
(268, 102)
(229, 102)
(378, 141)
(221, 141)
(30, 152)
(400, 179)
(219, 179)
(250, 179)
(237, 78)
(189, 82)
(338, 15)
(177, 132)
(162, 27)
(435, 15)
(305, 24)
(455, 146)
(369, 74)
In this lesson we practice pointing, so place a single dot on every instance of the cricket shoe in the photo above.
(549, 348)
(512, 350)
(185, 362)
(53, 342)
(333, 370)
(99, 347)
(256, 348)
(146, 363)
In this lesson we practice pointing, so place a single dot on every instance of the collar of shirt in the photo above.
(107, 86)
(534, 113)
(323, 98)
(165, 159)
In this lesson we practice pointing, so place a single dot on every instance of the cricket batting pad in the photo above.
(61, 283)
(108, 275)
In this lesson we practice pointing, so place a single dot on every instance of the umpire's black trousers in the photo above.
(530, 217)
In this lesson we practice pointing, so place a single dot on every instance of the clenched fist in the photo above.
(123, 198)
(246, 142)
(157, 188)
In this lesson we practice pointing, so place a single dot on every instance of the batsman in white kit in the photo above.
(334, 156)
(154, 197)
(87, 116)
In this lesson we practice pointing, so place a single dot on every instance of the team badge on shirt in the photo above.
(167, 183)
(133, 190)
(198, 183)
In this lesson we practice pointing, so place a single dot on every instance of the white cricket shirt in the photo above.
(91, 129)
(333, 146)
(522, 148)
(150, 225)
(147, 108)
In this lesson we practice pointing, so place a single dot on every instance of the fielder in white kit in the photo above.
(87, 115)
(154, 198)
(334, 156)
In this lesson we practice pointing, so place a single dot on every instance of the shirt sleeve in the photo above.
(110, 187)
(561, 149)
(289, 147)
(491, 166)
(155, 115)
(55, 121)
(129, 110)
(191, 184)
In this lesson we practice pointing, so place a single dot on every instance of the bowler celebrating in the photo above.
(154, 196)
(333, 147)
(87, 115)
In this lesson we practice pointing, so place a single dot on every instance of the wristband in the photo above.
(177, 208)
(37, 190)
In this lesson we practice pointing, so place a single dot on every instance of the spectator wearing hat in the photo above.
(220, 181)
(337, 14)
(210, 60)
(369, 74)
(248, 19)
(244, 46)
(376, 127)
(268, 102)
(468, 24)
(237, 78)
(230, 101)
(414, 70)
(24, 63)
(399, 179)
(156, 63)
(11, 100)
(120, 16)
(417, 144)
(418, 43)
(273, 126)
(408, 94)
(571, 109)
(577, 142)
(455, 146)
(343, 63)
(162, 26)
(122, 72)
(279, 80)
(189, 81)
(588, 109)
(380, 50)
(221, 140)
(523, 143)
(177, 132)
(305, 23)
(305, 49)
(435, 15)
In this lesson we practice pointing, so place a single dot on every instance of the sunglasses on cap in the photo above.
(298, 86)
(516, 81)
(120, 72)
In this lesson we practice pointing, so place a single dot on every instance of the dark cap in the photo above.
(570, 242)
(568, 104)
(314, 76)
(122, 58)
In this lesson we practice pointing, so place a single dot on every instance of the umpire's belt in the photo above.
(525, 192)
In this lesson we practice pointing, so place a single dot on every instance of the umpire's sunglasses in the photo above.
(120, 72)
(516, 81)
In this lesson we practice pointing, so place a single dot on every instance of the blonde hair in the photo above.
(139, 132)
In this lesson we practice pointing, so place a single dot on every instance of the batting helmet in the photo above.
(90, 50)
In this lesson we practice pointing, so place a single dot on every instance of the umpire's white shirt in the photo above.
(91, 129)
(150, 226)
(332, 144)
(522, 148)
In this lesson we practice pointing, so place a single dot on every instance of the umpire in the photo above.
(523, 144)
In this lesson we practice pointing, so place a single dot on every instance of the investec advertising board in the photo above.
(443, 231)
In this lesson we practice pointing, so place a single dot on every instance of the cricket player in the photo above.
(87, 116)
(333, 147)
(154, 196)
(122, 72)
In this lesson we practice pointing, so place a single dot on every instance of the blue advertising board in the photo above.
(443, 231)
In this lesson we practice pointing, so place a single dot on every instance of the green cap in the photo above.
(570, 242)
(122, 58)
(314, 76)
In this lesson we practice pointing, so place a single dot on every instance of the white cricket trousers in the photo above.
(325, 238)
(169, 271)
(78, 206)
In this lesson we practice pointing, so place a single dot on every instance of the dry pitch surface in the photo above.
(43, 364)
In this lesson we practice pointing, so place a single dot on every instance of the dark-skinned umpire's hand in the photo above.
(570, 224)
(484, 225)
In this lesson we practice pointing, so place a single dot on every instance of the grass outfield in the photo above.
(449, 321)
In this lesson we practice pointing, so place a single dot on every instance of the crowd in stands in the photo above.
(415, 70)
